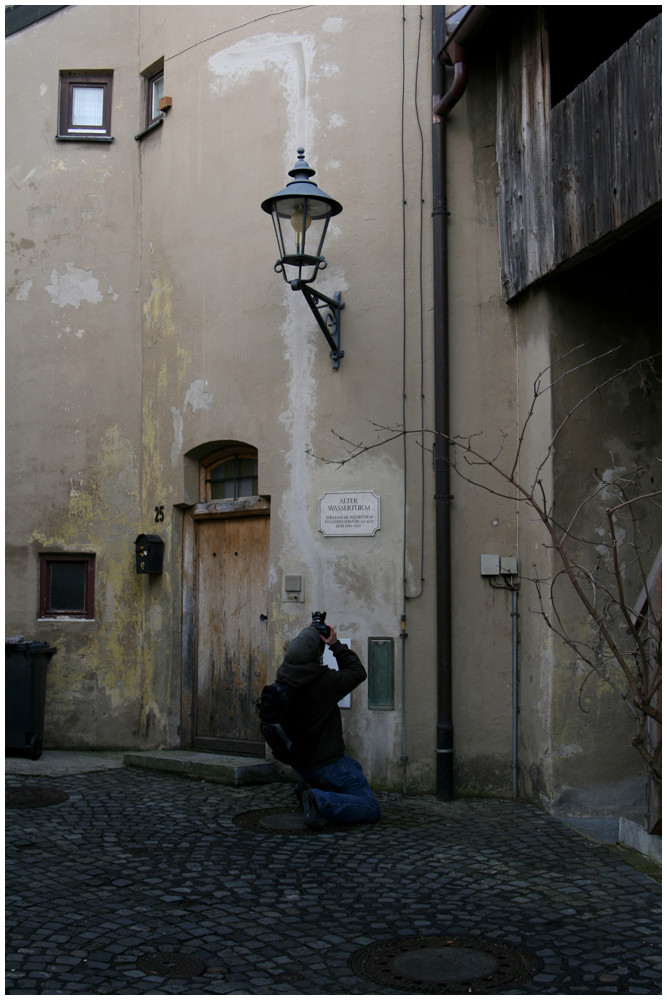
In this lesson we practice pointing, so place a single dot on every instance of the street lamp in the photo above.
(301, 213)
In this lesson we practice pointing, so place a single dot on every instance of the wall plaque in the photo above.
(349, 513)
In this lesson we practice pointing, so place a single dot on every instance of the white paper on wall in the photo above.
(329, 660)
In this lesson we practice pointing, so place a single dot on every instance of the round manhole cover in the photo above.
(438, 965)
(32, 796)
(171, 965)
(282, 820)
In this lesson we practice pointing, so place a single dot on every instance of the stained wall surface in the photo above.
(147, 330)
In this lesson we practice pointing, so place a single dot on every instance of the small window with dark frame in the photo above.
(230, 475)
(66, 585)
(85, 105)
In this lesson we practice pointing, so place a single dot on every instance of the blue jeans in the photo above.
(342, 792)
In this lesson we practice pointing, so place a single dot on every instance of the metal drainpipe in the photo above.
(444, 733)
(466, 24)
(515, 692)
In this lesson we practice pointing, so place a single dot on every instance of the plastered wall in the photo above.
(149, 319)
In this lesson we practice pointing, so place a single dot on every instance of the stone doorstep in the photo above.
(223, 769)
(618, 830)
(635, 837)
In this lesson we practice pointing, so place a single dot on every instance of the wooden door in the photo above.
(230, 646)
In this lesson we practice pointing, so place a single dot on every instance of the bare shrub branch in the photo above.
(623, 648)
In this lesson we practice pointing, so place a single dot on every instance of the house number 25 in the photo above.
(159, 514)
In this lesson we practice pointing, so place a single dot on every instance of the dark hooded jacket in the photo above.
(320, 689)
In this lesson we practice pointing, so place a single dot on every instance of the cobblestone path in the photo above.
(144, 883)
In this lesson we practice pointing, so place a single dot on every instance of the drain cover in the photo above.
(32, 796)
(450, 964)
(281, 820)
(171, 965)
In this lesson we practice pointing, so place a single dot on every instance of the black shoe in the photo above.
(299, 789)
(310, 810)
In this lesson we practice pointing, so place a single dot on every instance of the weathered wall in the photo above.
(483, 408)
(231, 353)
(74, 375)
(145, 325)
(574, 733)
(579, 748)
(182, 336)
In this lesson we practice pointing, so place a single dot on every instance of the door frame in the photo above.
(215, 509)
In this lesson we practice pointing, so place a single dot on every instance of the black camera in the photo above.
(319, 623)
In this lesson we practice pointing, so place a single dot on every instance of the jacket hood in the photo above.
(302, 665)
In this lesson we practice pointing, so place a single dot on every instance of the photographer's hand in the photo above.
(331, 638)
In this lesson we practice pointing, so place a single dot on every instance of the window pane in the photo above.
(247, 487)
(158, 92)
(233, 478)
(225, 470)
(88, 106)
(222, 490)
(68, 586)
(248, 467)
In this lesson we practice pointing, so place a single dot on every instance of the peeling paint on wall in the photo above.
(178, 436)
(197, 397)
(290, 55)
(98, 679)
(24, 290)
(73, 287)
(40, 213)
(334, 25)
(157, 309)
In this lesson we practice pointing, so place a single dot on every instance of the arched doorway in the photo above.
(225, 573)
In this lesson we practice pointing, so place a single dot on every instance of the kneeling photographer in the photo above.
(333, 786)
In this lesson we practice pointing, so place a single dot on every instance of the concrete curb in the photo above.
(236, 771)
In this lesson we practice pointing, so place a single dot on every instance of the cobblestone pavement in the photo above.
(144, 883)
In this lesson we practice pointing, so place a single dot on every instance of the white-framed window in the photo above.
(154, 93)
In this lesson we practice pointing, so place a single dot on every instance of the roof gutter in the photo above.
(460, 31)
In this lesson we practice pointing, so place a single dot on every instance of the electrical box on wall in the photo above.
(494, 565)
(293, 588)
(489, 565)
(149, 550)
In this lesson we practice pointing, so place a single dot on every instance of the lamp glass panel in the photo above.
(317, 209)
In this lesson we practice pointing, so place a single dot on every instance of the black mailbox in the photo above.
(149, 551)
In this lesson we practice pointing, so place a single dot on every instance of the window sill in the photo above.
(64, 618)
(151, 128)
(84, 138)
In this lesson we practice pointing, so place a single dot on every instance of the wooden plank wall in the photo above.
(606, 138)
(574, 175)
(524, 161)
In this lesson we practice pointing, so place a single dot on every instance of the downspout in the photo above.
(444, 730)
(459, 56)
(464, 26)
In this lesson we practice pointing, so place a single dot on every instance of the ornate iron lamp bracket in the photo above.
(328, 320)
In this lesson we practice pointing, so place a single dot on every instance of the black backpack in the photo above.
(288, 741)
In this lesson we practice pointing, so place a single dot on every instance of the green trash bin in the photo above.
(26, 665)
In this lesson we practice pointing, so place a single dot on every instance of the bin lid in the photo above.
(28, 646)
